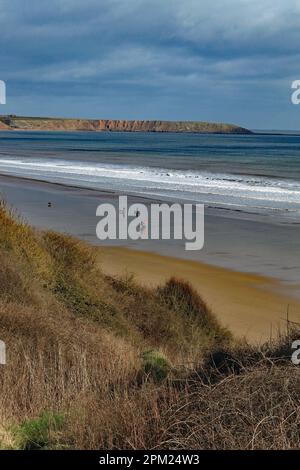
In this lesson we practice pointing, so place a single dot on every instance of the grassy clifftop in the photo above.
(95, 361)
(54, 124)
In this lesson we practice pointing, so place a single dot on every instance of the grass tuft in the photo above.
(39, 433)
(155, 365)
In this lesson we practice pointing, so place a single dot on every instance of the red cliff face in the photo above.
(102, 125)
(168, 126)
(3, 127)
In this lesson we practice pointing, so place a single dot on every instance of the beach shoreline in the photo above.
(233, 240)
(251, 304)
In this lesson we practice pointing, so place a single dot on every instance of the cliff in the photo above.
(52, 124)
(3, 127)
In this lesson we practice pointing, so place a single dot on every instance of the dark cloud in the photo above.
(230, 60)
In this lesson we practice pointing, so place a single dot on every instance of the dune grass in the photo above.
(95, 361)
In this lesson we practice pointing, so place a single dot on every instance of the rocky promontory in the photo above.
(112, 125)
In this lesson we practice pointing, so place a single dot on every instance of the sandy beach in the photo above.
(247, 271)
(249, 305)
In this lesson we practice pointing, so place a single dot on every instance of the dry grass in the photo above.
(125, 366)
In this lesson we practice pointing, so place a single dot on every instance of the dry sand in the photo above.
(251, 306)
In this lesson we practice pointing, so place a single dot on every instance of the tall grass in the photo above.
(125, 366)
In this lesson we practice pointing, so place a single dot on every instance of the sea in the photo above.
(257, 174)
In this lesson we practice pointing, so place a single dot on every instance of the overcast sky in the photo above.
(221, 60)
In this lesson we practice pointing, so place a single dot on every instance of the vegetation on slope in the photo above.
(100, 362)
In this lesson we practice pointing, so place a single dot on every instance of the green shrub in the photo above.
(39, 433)
(155, 365)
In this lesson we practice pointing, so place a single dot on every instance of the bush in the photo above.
(39, 433)
(155, 365)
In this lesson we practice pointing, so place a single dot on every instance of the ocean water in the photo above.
(255, 174)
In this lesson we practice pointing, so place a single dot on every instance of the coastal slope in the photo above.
(56, 124)
(96, 361)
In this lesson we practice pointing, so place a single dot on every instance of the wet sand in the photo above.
(232, 240)
(249, 305)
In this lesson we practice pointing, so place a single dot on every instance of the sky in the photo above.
(223, 60)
